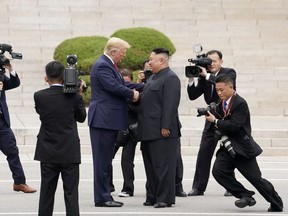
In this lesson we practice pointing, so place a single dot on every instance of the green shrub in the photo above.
(87, 49)
(142, 40)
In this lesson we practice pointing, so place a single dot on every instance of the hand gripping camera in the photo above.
(200, 60)
(224, 141)
(3, 60)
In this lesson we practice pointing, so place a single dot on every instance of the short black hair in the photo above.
(54, 70)
(161, 50)
(224, 78)
(215, 51)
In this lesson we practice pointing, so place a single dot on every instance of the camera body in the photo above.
(204, 110)
(71, 81)
(147, 74)
(200, 60)
(5, 61)
(224, 141)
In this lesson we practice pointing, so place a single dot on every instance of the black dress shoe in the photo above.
(147, 203)
(245, 201)
(274, 209)
(195, 192)
(109, 204)
(162, 205)
(227, 193)
(181, 194)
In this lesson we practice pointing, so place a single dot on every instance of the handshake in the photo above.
(136, 96)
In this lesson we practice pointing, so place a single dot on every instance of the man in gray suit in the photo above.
(159, 129)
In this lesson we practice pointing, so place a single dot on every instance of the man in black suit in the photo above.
(58, 144)
(7, 139)
(205, 85)
(159, 129)
(238, 150)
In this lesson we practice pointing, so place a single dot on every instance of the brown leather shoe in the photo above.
(24, 188)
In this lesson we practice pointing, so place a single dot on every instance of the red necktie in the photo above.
(115, 65)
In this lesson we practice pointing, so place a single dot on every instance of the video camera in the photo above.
(5, 61)
(71, 80)
(204, 111)
(201, 60)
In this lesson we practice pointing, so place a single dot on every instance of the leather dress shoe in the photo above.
(147, 203)
(245, 201)
(227, 193)
(162, 205)
(195, 192)
(24, 188)
(181, 194)
(274, 209)
(109, 204)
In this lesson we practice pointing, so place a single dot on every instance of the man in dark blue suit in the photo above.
(7, 139)
(108, 113)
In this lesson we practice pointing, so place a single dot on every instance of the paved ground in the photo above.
(213, 203)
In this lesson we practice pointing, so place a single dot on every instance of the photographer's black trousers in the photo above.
(223, 172)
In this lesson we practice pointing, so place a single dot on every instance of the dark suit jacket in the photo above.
(8, 83)
(204, 87)
(158, 106)
(236, 125)
(58, 140)
(109, 96)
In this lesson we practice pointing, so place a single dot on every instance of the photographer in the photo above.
(7, 139)
(205, 85)
(232, 119)
(58, 144)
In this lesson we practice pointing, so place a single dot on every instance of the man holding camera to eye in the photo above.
(232, 119)
(7, 139)
(205, 85)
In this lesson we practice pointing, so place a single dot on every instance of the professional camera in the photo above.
(71, 81)
(200, 60)
(224, 141)
(147, 74)
(204, 110)
(3, 60)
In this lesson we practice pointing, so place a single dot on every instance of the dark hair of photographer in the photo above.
(213, 52)
(127, 73)
(54, 72)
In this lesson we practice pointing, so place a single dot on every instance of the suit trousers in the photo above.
(49, 179)
(204, 157)
(103, 142)
(10, 150)
(179, 172)
(160, 158)
(127, 166)
(223, 172)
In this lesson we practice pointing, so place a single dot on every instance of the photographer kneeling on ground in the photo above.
(232, 119)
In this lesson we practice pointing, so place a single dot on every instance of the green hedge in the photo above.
(88, 49)
(142, 40)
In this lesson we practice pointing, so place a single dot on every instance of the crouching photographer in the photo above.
(232, 119)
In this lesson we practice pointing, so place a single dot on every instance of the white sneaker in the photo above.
(123, 194)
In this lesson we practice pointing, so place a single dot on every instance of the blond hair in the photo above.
(116, 44)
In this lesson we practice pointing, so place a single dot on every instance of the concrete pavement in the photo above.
(211, 204)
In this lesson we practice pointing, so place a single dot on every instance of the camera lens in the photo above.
(72, 59)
